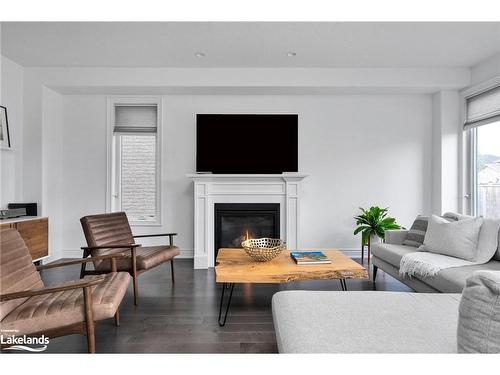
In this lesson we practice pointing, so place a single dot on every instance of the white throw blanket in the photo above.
(425, 264)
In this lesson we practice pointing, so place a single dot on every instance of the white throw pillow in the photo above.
(488, 240)
(458, 239)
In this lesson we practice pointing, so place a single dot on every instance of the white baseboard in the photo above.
(200, 262)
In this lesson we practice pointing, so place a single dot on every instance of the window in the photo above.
(135, 162)
(483, 121)
(487, 170)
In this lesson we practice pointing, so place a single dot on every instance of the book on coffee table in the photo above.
(309, 257)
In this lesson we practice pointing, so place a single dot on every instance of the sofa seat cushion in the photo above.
(365, 322)
(147, 258)
(391, 253)
(453, 280)
(48, 311)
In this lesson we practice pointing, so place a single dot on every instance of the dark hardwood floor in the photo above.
(182, 318)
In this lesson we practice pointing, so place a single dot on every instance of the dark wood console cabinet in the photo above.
(35, 232)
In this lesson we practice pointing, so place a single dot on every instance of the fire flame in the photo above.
(247, 237)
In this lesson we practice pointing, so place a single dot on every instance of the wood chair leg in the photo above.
(113, 265)
(89, 319)
(82, 271)
(117, 317)
(83, 266)
(172, 270)
(136, 292)
(134, 275)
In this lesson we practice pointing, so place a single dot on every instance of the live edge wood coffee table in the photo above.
(234, 266)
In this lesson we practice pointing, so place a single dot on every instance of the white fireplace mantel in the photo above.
(241, 188)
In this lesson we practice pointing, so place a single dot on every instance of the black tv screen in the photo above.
(241, 143)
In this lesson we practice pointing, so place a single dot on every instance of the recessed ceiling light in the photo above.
(199, 55)
(291, 54)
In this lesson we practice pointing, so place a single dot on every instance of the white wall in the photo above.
(83, 165)
(359, 150)
(365, 138)
(53, 156)
(445, 152)
(148, 81)
(486, 70)
(33, 142)
(11, 164)
(0, 62)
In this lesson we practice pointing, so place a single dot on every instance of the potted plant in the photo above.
(372, 224)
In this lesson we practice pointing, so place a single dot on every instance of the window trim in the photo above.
(469, 139)
(473, 171)
(112, 102)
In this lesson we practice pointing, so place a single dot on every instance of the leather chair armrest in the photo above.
(155, 235)
(80, 261)
(170, 236)
(74, 285)
(111, 246)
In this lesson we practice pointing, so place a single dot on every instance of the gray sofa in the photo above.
(462, 318)
(391, 322)
(387, 256)
(365, 322)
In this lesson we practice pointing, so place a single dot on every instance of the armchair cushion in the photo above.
(105, 229)
(147, 258)
(114, 228)
(49, 311)
(17, 272)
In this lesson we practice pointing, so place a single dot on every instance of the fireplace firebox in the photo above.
(234, 222)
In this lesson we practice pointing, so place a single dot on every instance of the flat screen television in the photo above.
(246, 143)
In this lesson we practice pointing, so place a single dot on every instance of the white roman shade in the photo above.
(135, 119)
(483, 108)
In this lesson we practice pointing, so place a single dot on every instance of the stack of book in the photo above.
(309, 257)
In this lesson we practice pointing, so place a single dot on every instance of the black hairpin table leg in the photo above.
(343, 284)
(224, 287)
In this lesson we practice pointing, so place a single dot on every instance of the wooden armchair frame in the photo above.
(86, 327)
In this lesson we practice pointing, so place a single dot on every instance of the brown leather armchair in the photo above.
(109, 233)
(28, 307)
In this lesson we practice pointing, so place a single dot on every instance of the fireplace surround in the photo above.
(211, 189)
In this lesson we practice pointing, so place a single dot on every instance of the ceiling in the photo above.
(254, 44)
